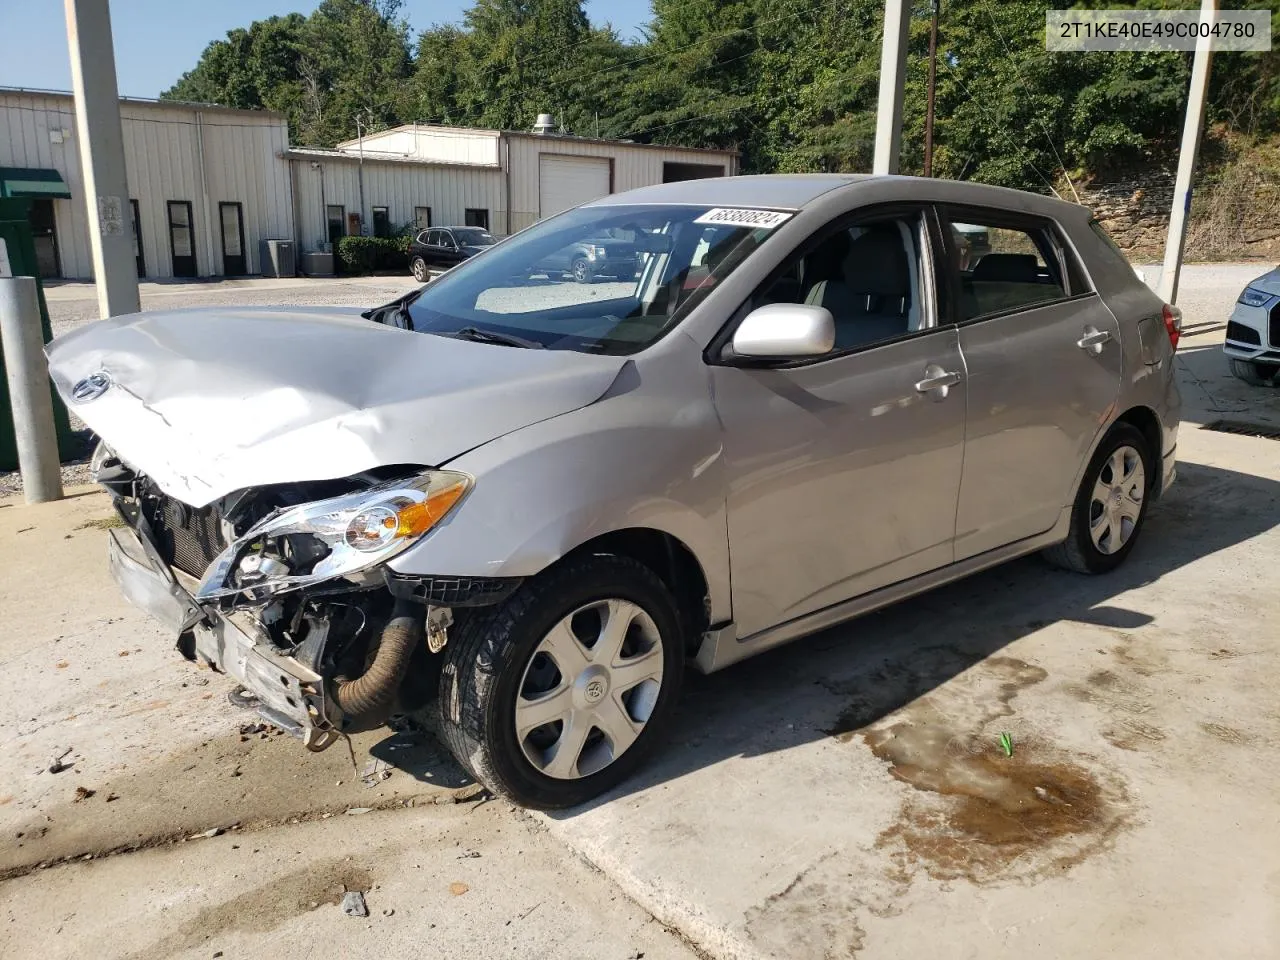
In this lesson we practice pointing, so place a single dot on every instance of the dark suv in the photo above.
(446, 247)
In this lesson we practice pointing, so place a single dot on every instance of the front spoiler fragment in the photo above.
(290, 695)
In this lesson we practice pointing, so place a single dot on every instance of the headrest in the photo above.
(876, 265)
(826, 262)
(1008, 268)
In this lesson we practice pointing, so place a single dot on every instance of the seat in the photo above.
(871, 299)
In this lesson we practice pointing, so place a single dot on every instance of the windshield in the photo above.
(473, 237)
(609, 279)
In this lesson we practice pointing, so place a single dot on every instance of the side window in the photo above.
(870, 275)
(432, 238)
(1003, 268)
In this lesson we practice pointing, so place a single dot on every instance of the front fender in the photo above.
(647, 455)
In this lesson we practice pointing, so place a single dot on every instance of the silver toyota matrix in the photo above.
(526, 502)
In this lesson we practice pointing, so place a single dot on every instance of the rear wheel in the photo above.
(556, 695)
(1111, 505)
(1255, 374)
(420, 272)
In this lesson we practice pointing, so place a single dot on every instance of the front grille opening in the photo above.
(1244, 428)
(1273, 328)
(187, 538)
(1242, 334)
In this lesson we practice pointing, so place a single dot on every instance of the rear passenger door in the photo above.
(1043, 357)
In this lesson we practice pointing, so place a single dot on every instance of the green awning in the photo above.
(32, 182)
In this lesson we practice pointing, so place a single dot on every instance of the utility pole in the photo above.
(364, 230)
(101, 146)
(1192, 126)
(28, 375)
(893, 77)
(933, 79)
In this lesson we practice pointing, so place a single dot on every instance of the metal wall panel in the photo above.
(427, 142)
(163, 161)
(634, 166)
(399, 186)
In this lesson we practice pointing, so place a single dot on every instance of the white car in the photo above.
(1253, 332)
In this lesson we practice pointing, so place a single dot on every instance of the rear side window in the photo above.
(1002, 268)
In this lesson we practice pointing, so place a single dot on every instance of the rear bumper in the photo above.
(290, 695)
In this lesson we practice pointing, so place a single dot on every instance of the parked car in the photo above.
(586, 261)
(1253, 333)
(445, 247)
(528, 507)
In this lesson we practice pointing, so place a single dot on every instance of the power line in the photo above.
(1043, 129)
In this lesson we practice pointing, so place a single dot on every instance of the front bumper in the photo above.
(290, 695)
(1253, 333)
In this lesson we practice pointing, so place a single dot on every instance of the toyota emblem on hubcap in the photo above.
(594, 691)
(91, 387)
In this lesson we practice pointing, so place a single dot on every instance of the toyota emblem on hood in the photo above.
(91, 387)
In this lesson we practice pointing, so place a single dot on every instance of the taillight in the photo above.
(1172, 324)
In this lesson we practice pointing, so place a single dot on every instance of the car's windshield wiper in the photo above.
(492, 336)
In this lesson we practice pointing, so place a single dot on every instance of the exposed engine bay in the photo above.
(284, 588)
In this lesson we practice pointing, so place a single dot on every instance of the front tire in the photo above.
(1111, 505)
(582, 271)
(1255, 374)
(558, 694)
(420, 272)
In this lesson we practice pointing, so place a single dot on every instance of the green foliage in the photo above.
(370, 254)
(791, 84)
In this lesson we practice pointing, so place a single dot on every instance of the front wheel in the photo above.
(420, 272)
(1255, 374)
(1111, 505)
(582, 271)
(557, 694)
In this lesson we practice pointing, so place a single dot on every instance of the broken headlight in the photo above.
(314, 542)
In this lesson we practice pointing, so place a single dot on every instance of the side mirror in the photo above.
(785, 330)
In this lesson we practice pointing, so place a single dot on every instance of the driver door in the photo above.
(844, 472)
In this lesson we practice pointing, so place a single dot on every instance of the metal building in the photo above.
(423, 175)
(206, 183)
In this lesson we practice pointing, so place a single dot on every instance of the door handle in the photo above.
(937, 381)
(1093, 339)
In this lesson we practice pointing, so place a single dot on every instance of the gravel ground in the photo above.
(1207, 292)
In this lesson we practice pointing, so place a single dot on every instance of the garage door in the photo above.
(565, 182)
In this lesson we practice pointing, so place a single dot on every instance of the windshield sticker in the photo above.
(760, 219)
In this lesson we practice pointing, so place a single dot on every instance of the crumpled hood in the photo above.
(1268, 283)
(207, 401)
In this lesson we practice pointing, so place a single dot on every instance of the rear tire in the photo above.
(502, 660)
(420, 272)
(1255, 374)
(1111, 506)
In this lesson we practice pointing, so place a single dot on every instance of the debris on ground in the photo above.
(375, 772)
(353, 904)
(83, 793)
(353, 811)
(1006, 744)
(57, 765)
(458, 888)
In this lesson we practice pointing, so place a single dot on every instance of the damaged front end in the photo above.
(285, 588)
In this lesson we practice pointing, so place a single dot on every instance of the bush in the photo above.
(367, 254)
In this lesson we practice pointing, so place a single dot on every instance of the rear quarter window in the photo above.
(1108, 249)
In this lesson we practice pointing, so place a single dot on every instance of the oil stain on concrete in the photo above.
(975, 813)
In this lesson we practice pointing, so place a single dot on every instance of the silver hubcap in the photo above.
(1117, 500)
(419, 270)
(589, 689)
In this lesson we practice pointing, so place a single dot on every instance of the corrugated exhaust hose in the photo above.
(377, 686)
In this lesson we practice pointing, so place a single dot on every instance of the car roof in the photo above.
(795, 191)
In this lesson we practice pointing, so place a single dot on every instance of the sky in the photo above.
(156, 41)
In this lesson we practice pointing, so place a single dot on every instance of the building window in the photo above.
(381, 222)
(422, 217)
(476, 217)
(337, 217)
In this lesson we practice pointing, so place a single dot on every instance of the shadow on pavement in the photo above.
(855, 674)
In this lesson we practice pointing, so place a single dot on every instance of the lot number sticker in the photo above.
(759, 219)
